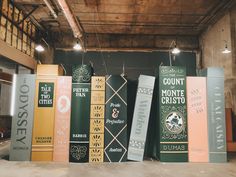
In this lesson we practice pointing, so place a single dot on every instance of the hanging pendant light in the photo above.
(175, 50)
(39, 48)
(77, 46)
(226, 50)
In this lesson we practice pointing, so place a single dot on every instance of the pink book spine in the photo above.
(197, 119)
(62, 119)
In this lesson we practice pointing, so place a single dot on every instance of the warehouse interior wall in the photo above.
(212, 43)
(131, 63)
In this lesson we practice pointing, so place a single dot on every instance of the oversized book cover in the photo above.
(216, 114)
(97, 113)
(115, 119)
(141, 117)
(22, 120)
(173, 146)
(62, 119)
(80, 113)
(197, 119)
(44, 113)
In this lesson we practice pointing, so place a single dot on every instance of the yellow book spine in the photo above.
(44, 113)
(96, 140)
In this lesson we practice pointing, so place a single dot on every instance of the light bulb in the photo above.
(175, 50)
(39, 48)
(226, 50)
(77, 46)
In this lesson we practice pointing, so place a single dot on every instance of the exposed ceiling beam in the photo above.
(29, 2)
(50, 8)
(95, 49)
(216, 12)
(72, 20)
(35, 7)
(122, 42)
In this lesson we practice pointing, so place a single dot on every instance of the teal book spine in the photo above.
(115, 119)
(173, 139)
(216, 114)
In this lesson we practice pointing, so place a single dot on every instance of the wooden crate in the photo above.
(32, 49)
(5, 7)
(28, 51)
(9, 25)
(8, 37)
(24, 47)
(16, 15)
(29, 30)
(25, 26)
(2, 32)
(14, 41)
(10, 12)
(20, 19)
(24, 38)
(15, 30)
(3, 28)
(3, 21)
(19, 43)
(32, 53)
(33, 31)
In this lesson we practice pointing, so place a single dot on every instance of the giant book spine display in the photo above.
(173, 146)
(97, 113)
(141, 117)
(62, 119)
(197, 119)
(216, 114)
(80, 114)
(116, 119)
(44, 113)
(22, 120)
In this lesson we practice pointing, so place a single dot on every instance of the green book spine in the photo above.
(115, 119)
(80, 114)
(173, 146)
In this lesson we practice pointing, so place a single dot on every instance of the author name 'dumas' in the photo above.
(173, 147)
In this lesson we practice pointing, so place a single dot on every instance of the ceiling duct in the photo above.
(72, 20)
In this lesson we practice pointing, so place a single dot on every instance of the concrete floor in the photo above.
(4, 148)
(128, 169)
